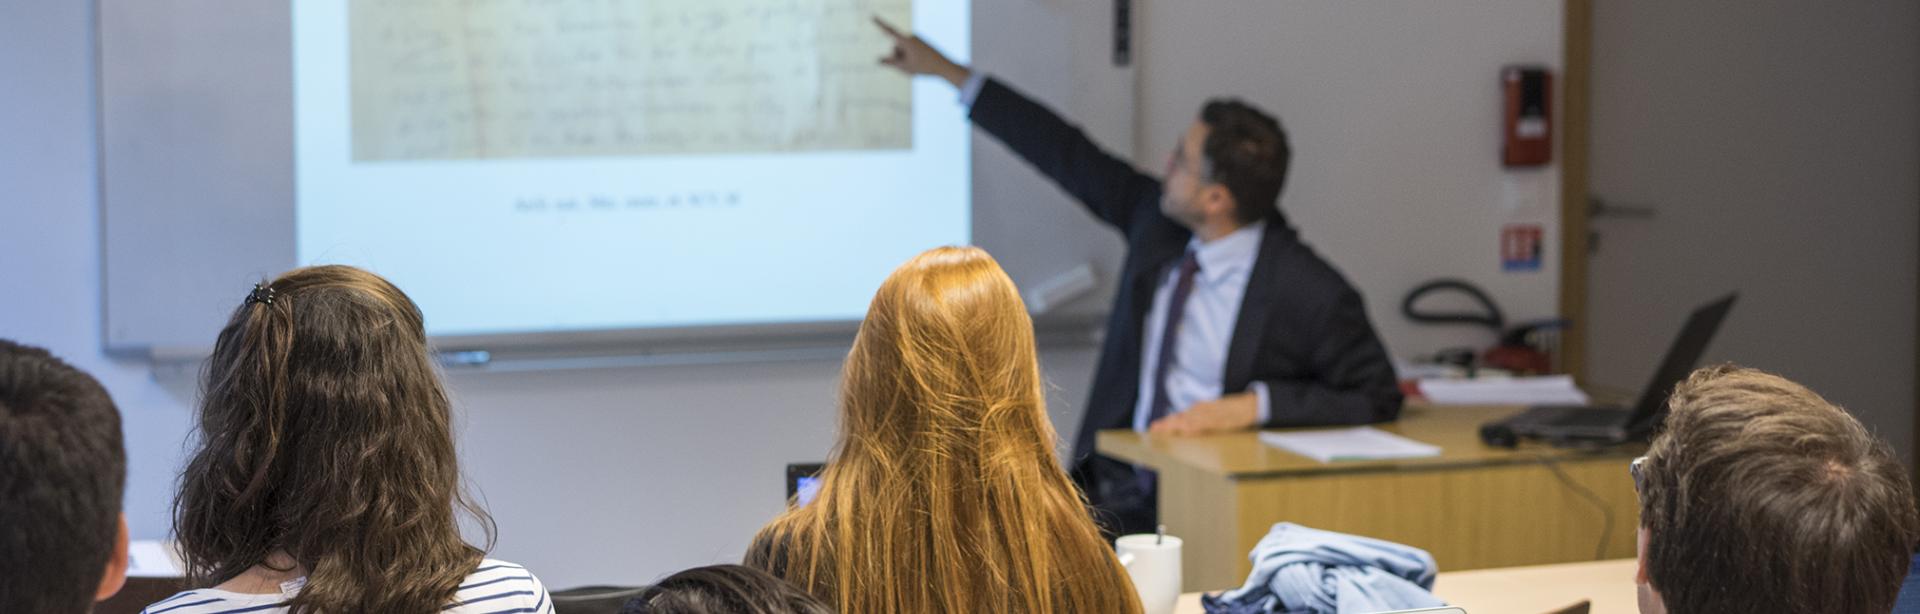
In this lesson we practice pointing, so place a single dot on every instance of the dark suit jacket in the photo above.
(1302, 328)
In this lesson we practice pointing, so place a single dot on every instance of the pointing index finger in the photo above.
(889, 29)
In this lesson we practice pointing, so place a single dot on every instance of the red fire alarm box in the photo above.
(1528, 122)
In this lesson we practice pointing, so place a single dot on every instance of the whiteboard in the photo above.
(198, 182)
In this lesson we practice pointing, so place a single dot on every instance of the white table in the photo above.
(1524, 590)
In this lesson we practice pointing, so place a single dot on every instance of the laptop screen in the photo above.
(803, 482)
(1680, 361)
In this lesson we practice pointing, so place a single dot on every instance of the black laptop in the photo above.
(1580, 424)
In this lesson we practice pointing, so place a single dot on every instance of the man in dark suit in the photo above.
(1223, 319)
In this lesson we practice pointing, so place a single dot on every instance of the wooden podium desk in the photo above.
(1472, 507)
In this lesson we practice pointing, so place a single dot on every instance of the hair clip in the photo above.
(262, 294)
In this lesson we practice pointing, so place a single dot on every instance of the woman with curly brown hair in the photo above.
(324, 479)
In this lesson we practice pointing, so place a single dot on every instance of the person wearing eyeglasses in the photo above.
(1760, 496)
(1224, 319)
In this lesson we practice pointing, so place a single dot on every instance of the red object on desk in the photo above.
(1410, 388)
(1518, 359)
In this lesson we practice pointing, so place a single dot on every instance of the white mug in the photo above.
(1153, 561)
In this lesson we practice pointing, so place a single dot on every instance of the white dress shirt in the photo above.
(1198, 372)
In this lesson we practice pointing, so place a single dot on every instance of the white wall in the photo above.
(49, 234)
(1779, 142)
(1393, 109)
(615, 475)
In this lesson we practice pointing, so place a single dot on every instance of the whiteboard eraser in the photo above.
(1060, 289)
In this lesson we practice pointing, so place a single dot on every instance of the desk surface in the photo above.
(1524, 590)
(1456, 429)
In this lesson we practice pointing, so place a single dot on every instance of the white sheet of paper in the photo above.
(1351, 444)
(151, 559)
(1543, 390)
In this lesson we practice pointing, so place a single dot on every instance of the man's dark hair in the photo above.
(63, 469)
(723, 589)
(1760, 496)
(1246, 151)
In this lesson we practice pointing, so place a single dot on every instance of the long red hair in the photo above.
(944, 492)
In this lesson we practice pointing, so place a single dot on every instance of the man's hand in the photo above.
(1233, 412)
(915, 57)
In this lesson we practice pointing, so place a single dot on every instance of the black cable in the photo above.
(1489, 315)
(1606, 532)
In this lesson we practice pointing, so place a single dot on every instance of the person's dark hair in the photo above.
(1246, 151)
(1760, 496)
(63, 470)
(324, 432)
(723, 589)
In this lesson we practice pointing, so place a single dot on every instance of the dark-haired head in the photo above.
(63, 470)
(723, 589)
(324, 433)
(1228, 169)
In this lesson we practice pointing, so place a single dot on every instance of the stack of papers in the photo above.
(1354, 444)
(1545, 390)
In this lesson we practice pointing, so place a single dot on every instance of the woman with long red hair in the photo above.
(944, 492)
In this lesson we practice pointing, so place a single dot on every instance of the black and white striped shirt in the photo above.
(496, 587)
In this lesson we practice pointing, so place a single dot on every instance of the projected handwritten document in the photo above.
(476, 79)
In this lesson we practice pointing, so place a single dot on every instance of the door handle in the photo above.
(1598, 208)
